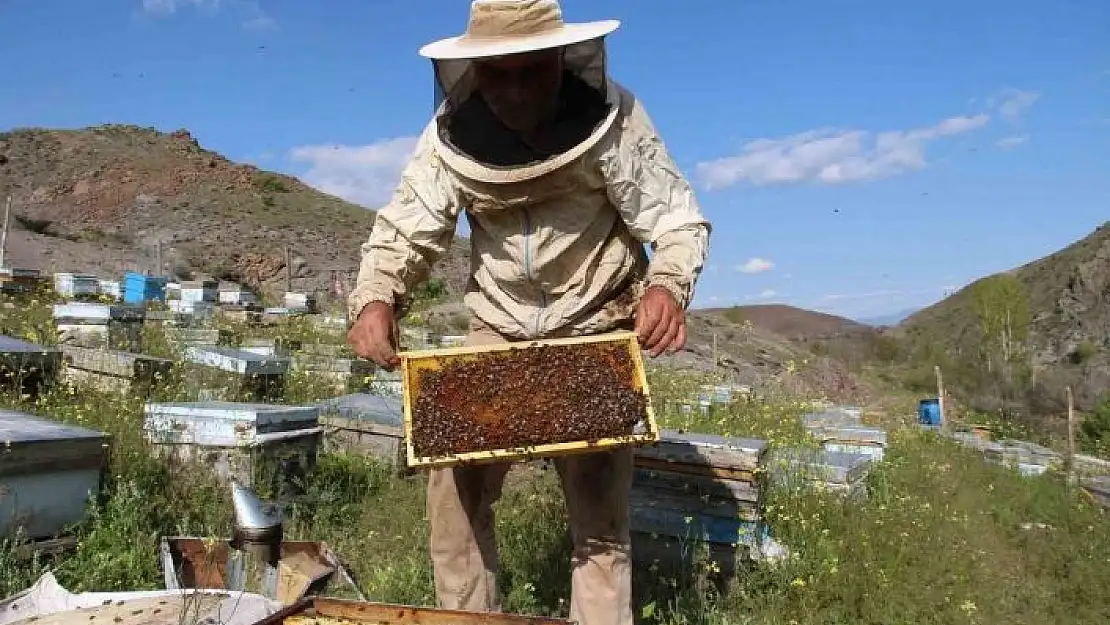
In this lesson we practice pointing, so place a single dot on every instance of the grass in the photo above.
(942, 537)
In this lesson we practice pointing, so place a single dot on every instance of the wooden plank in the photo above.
(693, 505)
(396, 614)
(695, 469)
(415, 361)
(697, 527)
(740, 490)
(116, 363)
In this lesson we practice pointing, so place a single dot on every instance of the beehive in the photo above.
(524, 400)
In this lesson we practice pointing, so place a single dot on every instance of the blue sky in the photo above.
(859, 157)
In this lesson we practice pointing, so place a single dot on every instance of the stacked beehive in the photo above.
(697, 489)
(840, 430)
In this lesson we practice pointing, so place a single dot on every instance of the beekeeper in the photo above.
(564, 181)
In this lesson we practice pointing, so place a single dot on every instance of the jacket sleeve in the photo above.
(657, 202)
(409, 234)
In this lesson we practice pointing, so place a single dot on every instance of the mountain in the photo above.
(1068, 300)
(788, 321)
(115, 197)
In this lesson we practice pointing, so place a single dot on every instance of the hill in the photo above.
(105, 199)
(1051, 316)
(789, 322)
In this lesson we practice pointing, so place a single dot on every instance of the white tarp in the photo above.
(47, 597)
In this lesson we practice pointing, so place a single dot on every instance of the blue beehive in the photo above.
(139, 288)
(928, 411)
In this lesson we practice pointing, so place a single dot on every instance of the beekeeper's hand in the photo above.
(375, 335)
(660, 322)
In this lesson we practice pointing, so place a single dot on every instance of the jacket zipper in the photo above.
(528, 268)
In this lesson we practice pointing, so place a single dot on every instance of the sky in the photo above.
(860, 157)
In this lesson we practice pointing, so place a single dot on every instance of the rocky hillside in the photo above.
(1068, 296)
(105, 199)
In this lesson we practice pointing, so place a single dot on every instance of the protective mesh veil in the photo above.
(466, 125)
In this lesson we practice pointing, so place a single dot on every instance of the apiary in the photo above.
(696, 489)
(48, 472)
(27, 364)
(365, 423)
(329, 611)
(107, 326)
(525, 400)
(258, 444)
(114, 370)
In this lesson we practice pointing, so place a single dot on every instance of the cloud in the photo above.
(169, 7)
(1013, 103)
(260, 23)
(254, 18)
(1009, 143)
(831, 156)
(364, 174)
(756, 265)
(257, 20)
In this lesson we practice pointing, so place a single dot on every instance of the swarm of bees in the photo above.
(527, 397)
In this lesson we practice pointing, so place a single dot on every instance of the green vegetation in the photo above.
(1094, 432)
(942, 537)
(270, 183)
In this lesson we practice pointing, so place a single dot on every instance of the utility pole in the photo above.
(288, 269)
(158, 257)
(716, 356)
(4, 232)
(940, 398)
(1071, 436)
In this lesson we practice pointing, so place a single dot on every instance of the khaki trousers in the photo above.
(464, 549)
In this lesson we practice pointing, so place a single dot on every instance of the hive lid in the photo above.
(234, 411)
(713, 441)
(20, 427)
(383, 409)
(13, 345)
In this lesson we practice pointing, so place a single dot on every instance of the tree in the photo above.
(1002, 305)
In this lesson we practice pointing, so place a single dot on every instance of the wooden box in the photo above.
(321, 611)
(415, 364)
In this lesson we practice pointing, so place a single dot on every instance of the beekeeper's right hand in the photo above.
(375, 335)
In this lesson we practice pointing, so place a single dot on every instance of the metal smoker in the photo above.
(256, 541)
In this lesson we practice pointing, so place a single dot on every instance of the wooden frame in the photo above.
(415, 361)
(395, 614)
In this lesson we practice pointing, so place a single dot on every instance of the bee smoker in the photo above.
(256, 542)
